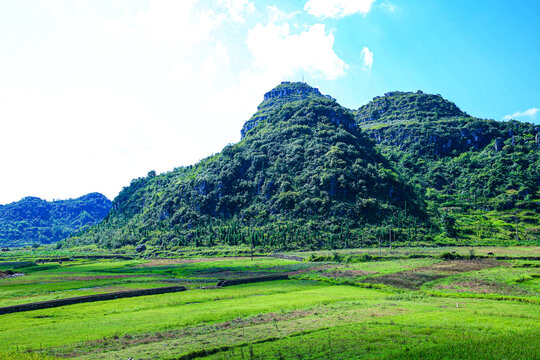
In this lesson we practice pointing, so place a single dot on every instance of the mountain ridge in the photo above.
(306, 166)
(309, 173)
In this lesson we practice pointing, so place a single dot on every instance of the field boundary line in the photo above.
(89, 298)
(129, 293)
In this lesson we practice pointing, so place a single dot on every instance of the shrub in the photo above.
(450, 256)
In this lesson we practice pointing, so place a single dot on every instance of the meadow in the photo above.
(349, 304)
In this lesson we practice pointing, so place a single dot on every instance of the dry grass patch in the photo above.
(169, 262)
(317, 268)
(415, 278)
(338, 273)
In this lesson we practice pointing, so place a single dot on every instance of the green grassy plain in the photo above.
(418, 308)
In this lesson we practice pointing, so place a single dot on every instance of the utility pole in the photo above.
(379, 235)
(516, 222)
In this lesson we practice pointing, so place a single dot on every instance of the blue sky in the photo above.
(96, 93)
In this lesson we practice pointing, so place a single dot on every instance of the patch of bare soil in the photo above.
(338, 274)
(99, 277)
(8, 274)
(415, 278)
(227, 274)
(411, 279)
(460, 266)
(330, 270)
(310, 269)
(482, 287)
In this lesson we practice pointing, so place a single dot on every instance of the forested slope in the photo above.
(481, 176)
(303, 175)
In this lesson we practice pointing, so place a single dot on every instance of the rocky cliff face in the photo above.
(428, 124)
(284, 93)
(449, 137)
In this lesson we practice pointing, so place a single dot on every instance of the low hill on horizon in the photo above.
(33, 220)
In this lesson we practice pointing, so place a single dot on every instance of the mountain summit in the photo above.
(399, 106)
(284, 93)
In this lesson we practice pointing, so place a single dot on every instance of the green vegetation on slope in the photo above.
(400, 106)
(406, 169)
(282, 94)
(481, 177)
(305, 177)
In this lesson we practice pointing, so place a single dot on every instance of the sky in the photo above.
(95, 93)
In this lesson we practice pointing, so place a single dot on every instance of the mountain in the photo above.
(406, 168)
(303, 175)
(483, 175)
(33, 220)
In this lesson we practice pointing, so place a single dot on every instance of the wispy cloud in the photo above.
(388, 6)
(337, 8)
(519, 114)
(367, 58)
(238, 9)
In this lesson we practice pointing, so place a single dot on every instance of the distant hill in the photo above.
(33, 220)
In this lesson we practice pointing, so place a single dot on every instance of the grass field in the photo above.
(418, 308)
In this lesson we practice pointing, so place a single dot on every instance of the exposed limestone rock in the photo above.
(280, 95)
(499, 144)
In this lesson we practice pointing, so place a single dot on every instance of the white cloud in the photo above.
(279, 52)
(276, 15)
(216, 61)
(176, 23)
(367, 58)
(94, 94)
(531, 113)
(337, 8)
